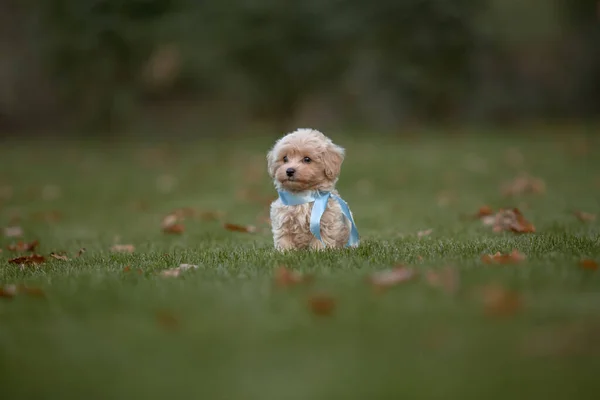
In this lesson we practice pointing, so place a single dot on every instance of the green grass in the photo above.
(97, 333)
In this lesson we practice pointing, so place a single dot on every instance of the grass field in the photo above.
(109, 326)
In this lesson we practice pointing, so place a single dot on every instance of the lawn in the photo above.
(110, 326)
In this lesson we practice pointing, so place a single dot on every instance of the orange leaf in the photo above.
(592, 265)
(509, 220)
(123, 248)
(484, 211)
(240, 228)
(498, 301)
(23, 246)
(57, 256)
(512, 258)
(175, 228)
(321, 305)
(13, 231)
(127, 268)
(28, 260)
(391, 277)
(287, 277)
(584, 216)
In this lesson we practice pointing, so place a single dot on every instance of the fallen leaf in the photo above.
(287, 277)
(484, 211)
(175, 229)
(61, 257)
(28, 260)
(512, 258)
(175, 272)
(498, 301)
(511, 220)
(8, 291)
(127, 269)
(167, 320)
(13, 231)
(240, 228)
(446, 279)
(584, 216)
(424, 233)
(523, 184)
(592, 265)
(392, 277)
(23, 246)
(123, 248)
(321, 305)
(80, 252)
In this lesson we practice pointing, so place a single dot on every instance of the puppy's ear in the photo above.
(333, 158)
(271, 162)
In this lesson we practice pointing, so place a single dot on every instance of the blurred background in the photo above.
(101, 65)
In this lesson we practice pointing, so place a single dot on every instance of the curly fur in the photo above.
(291, 224)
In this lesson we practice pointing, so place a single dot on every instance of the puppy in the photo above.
(309, 213)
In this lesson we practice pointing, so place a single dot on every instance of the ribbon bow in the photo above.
(320, 200)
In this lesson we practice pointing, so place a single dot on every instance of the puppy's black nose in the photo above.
(290, 171)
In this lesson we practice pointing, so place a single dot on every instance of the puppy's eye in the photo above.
(285, 159)
(307, 160)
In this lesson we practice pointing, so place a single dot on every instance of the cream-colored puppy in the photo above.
(305, 166)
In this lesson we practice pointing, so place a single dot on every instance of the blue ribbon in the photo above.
(320, 200)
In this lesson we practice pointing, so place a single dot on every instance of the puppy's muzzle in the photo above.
(290, 172)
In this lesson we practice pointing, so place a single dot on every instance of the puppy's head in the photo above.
(305, 160)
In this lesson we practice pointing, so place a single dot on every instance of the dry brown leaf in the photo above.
(127, 269)
(175, 272)
(484, 211)
(584, 216)
(8, 291)
(287, 277)
(321, 304)
(23, 246)
(589, 264)
(175, 229)
(509, 220)
(13, 231)
(424, 233)
(446, 279)
(80, 252)
(523, 184)
(58, 256)
(123, 248)
(28, 260)
(512, 258)
(499, 301)
(240, 228)
(391, 277)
